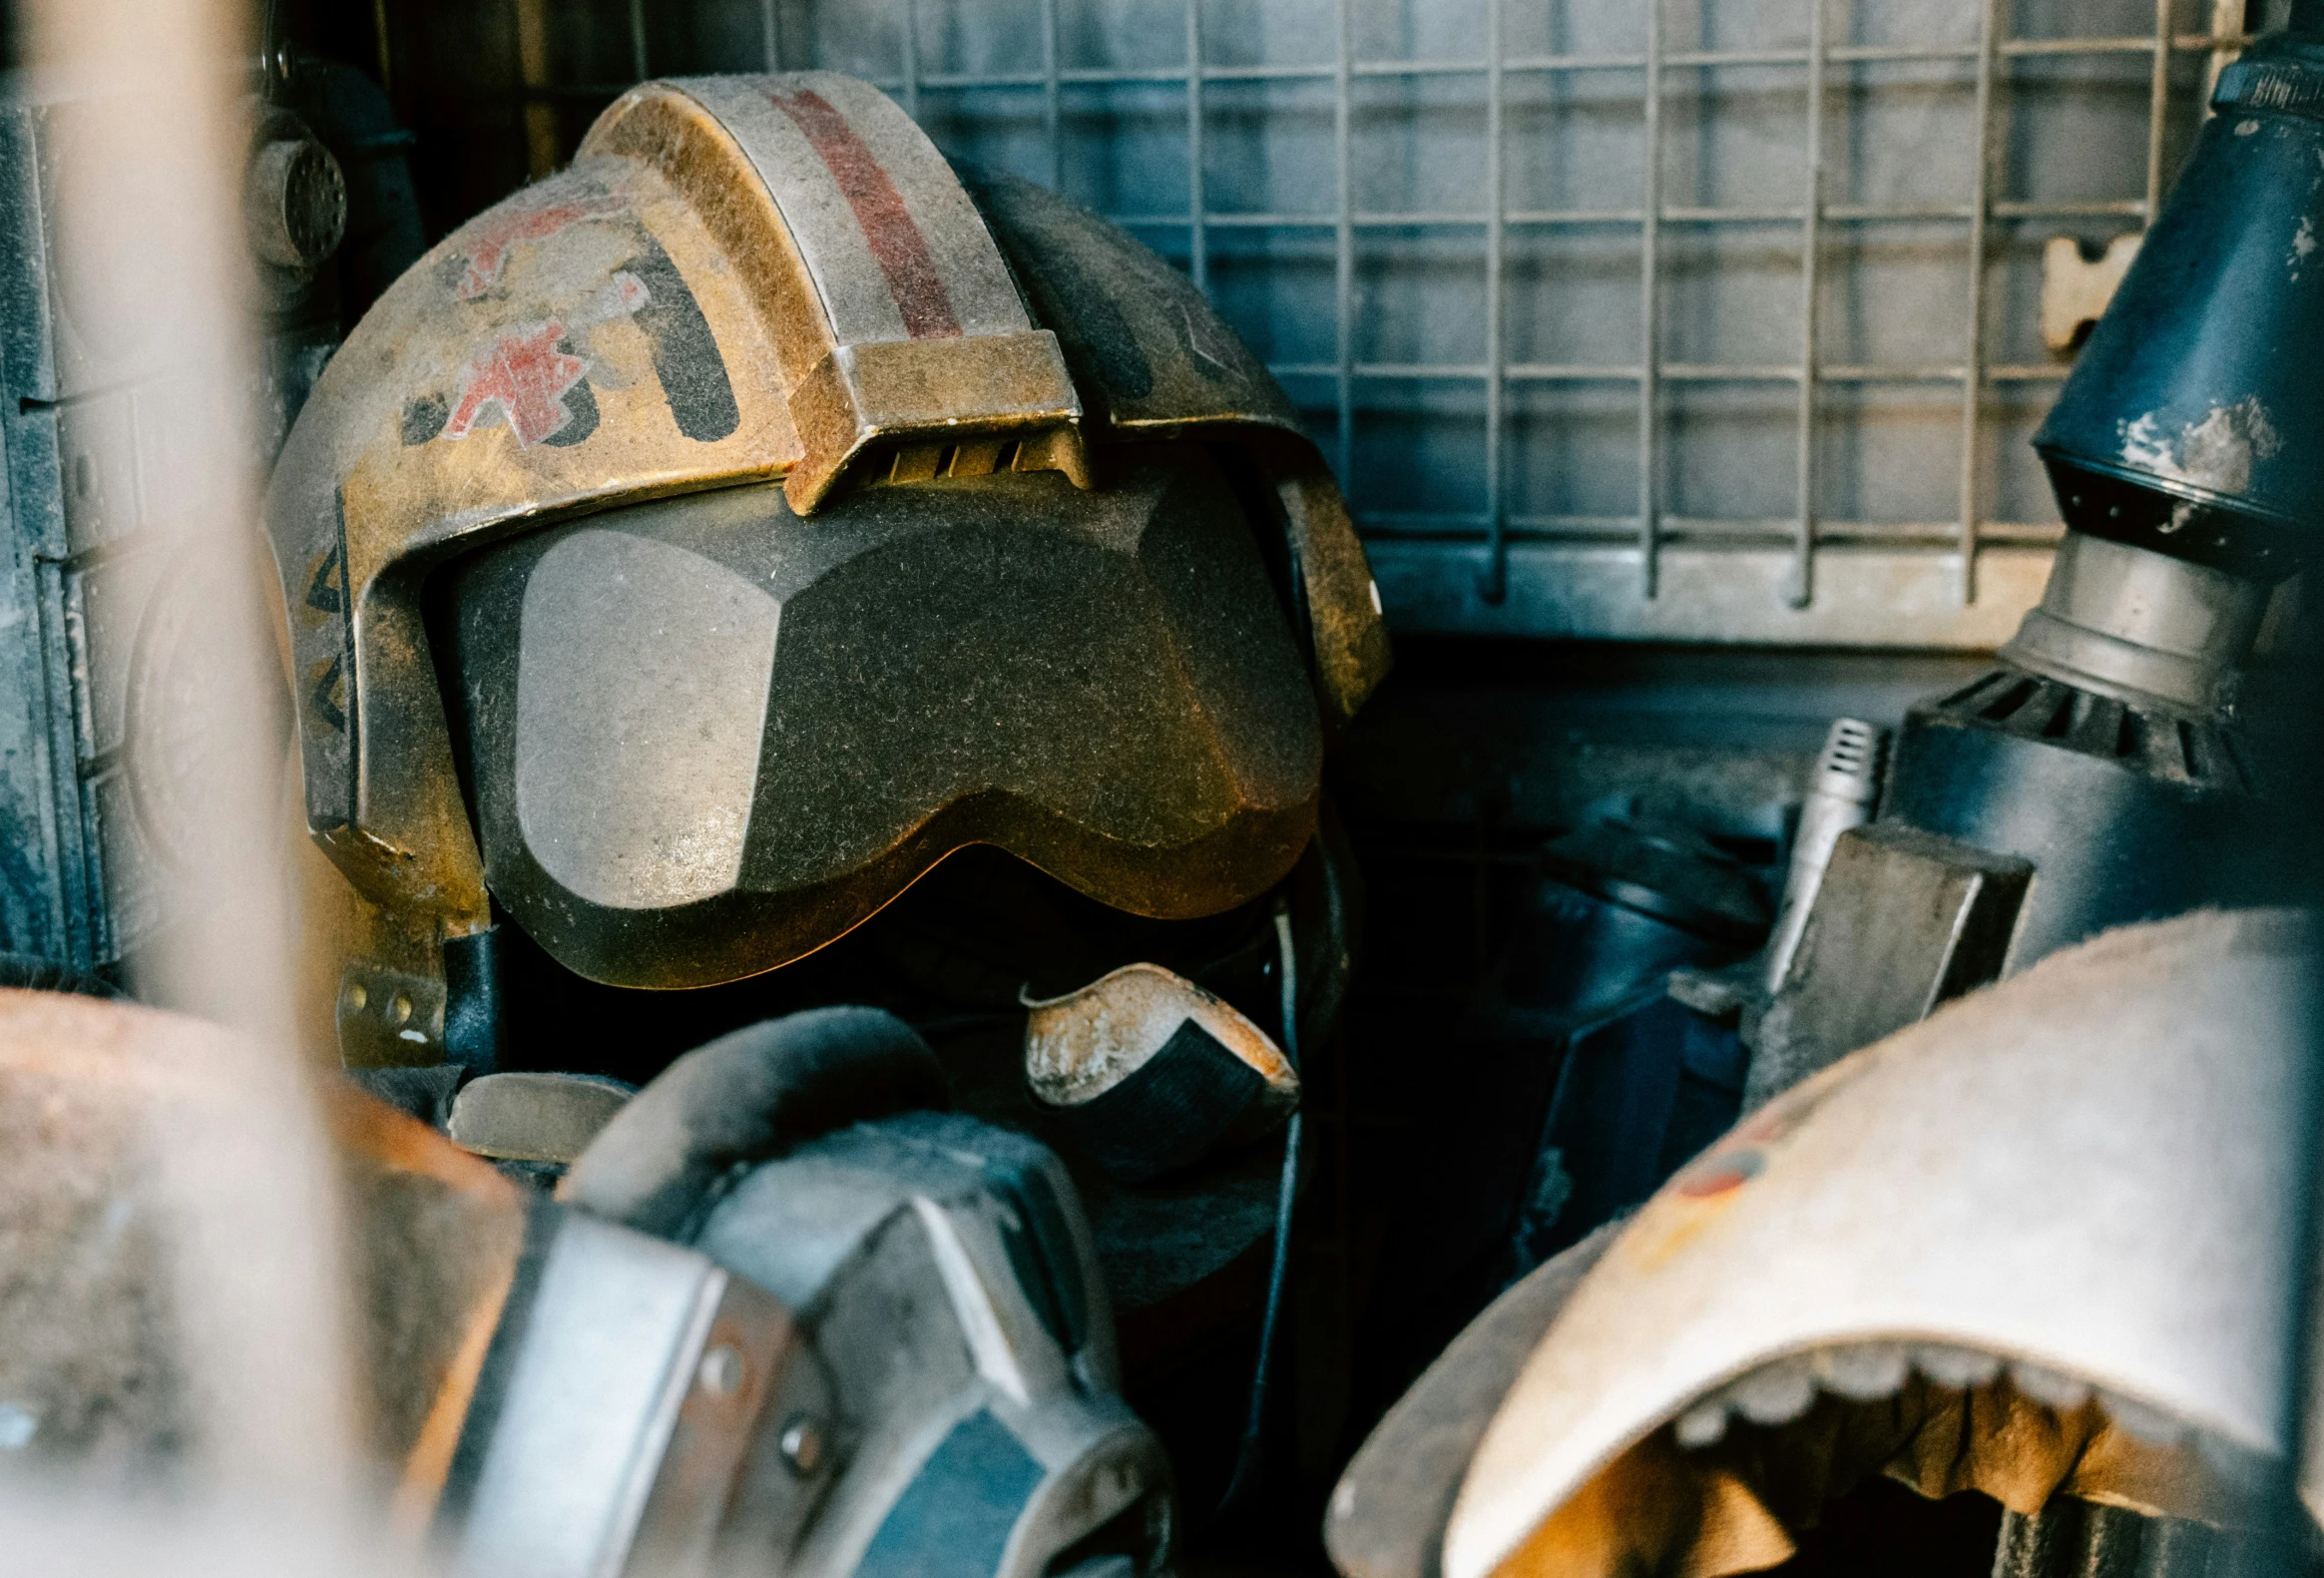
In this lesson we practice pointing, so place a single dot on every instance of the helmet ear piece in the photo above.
(746, 1098)
(1153, 359)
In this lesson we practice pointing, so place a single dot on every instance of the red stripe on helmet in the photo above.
(896, 242)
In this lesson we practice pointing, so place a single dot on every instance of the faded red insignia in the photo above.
(491, 236)
(526, 376)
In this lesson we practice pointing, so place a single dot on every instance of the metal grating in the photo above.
(1704, 319)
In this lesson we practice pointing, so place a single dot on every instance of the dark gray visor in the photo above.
(705, 737)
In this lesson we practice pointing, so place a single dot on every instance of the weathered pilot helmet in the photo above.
(699, 545)
(2040, 1245)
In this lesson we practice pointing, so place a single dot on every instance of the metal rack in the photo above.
(1950, 572)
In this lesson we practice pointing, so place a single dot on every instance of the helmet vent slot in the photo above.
(2010, 702)
(2177, 751)
(970, 457)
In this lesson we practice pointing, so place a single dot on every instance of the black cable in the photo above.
(1248, 1453)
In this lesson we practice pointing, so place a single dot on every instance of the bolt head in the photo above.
(802, 1445)
(720, 1371)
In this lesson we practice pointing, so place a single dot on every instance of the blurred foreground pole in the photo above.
(2302, 1498)
(148, 131)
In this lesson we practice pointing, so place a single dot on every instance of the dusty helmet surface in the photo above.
(2039, 1246)
(705, 541)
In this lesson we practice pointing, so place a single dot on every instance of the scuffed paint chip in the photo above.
(2217, 452)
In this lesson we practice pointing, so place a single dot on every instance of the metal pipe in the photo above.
(1838, 54)
(1622, 530)
(1493, 586)
(1344, 251)
(1972, 365)
(2159, 104)
(1649, 307)
(1050, 96)
(1810, 256)
(1673, 372)
(1834, 213)
(1198, 249)
(2141, 626)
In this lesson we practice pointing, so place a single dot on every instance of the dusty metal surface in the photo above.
(1933, 1171)
(1156, 360)
(946, 1276)
(1904, 923)
(127, 427)
(2157, 634)
(2190, 387)
(890, 309)
(2082, 1539)
(2126, 814)
(532, 1117)
(632, 1397)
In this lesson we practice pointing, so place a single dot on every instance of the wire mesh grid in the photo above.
(1691, 319)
